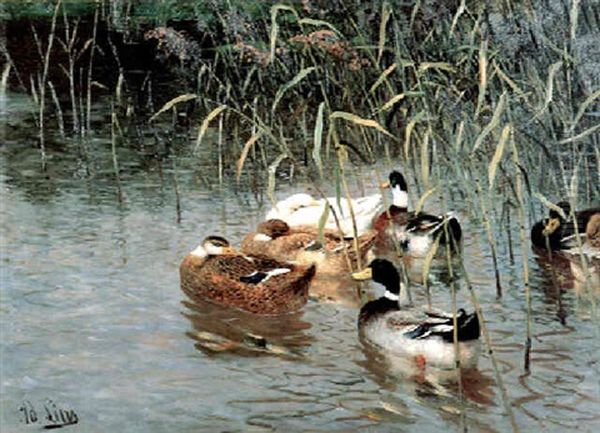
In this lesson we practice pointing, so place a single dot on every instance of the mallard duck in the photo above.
(415, 233)
(423, 229)
(559, 229)
(397, 215)
(258, 284)
(304, 210)
(275, 238)
(425, 336)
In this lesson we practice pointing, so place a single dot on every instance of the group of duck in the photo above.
(303, 238)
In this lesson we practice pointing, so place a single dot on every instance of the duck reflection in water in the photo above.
(391, 371)
(217, 329)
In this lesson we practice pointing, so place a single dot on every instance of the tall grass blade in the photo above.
(493, 123)
(247, 146)
(322, 221)
(170, 104)
(461, 9)
(386, 12)
(552, 70)
(550, 205)
(318, 139)
(443, 66)
(275, 27)
(299, 77)
(321, 23)
(425, 159)
(581, 136)
(584, 105)
(271, 179)
(359, 121)
(423, 199)
(408, 131)
(498, 155)
(383, 76)
(483, 64)
(204, 127)
(389, 104)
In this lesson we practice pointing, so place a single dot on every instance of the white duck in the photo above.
(304, 210)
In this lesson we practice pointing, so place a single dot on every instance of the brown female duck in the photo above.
(274, 238)
(256, 284)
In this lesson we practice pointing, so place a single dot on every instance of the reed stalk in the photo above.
(89, 74)
(490, 237)
(524, 255)
(42, 86)
(113, 136)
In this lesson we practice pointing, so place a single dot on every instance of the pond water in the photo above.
(93, 317)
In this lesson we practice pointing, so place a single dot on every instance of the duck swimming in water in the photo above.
(275, 238)
(426, 336)
(415, 233)
(304, 210)
(558, 230)
(214, 271)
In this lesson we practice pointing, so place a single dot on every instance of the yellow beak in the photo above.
(385, 184)
(551, 226)
(365, 274)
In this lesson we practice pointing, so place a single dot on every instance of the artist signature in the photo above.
(51, 416)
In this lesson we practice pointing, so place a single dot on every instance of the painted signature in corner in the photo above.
(52, 416)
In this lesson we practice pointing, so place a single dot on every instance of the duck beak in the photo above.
(365, 274)
(551, 226)
(385, 185)
(228, 251)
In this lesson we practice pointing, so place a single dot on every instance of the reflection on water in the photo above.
(93, 318)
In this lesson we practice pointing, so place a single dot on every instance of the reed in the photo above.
(42, 86)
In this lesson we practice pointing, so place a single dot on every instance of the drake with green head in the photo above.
(415, 233)
(426, 336)
(215, 271)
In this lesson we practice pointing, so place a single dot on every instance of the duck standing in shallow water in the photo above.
(425, 336)
(558, 230)
(414, 233)
(275, 238)
(215, 271)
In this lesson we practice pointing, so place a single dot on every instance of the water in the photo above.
(93, 318)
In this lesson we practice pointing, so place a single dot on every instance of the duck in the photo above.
(414, 232)
(558, 230)
(275, 238)
(590, 248)
(422, 231)
(304, 210)
(257, 284)
(426, 336)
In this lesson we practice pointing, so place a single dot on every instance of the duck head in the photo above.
(214, 246)
(397, 184)
(556, 218)
(271, 229)
(382, 271)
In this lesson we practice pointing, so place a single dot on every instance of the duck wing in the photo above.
(436, 324)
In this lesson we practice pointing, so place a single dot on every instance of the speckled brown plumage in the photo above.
(217, 278)
(290, 244)
(592, 231)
